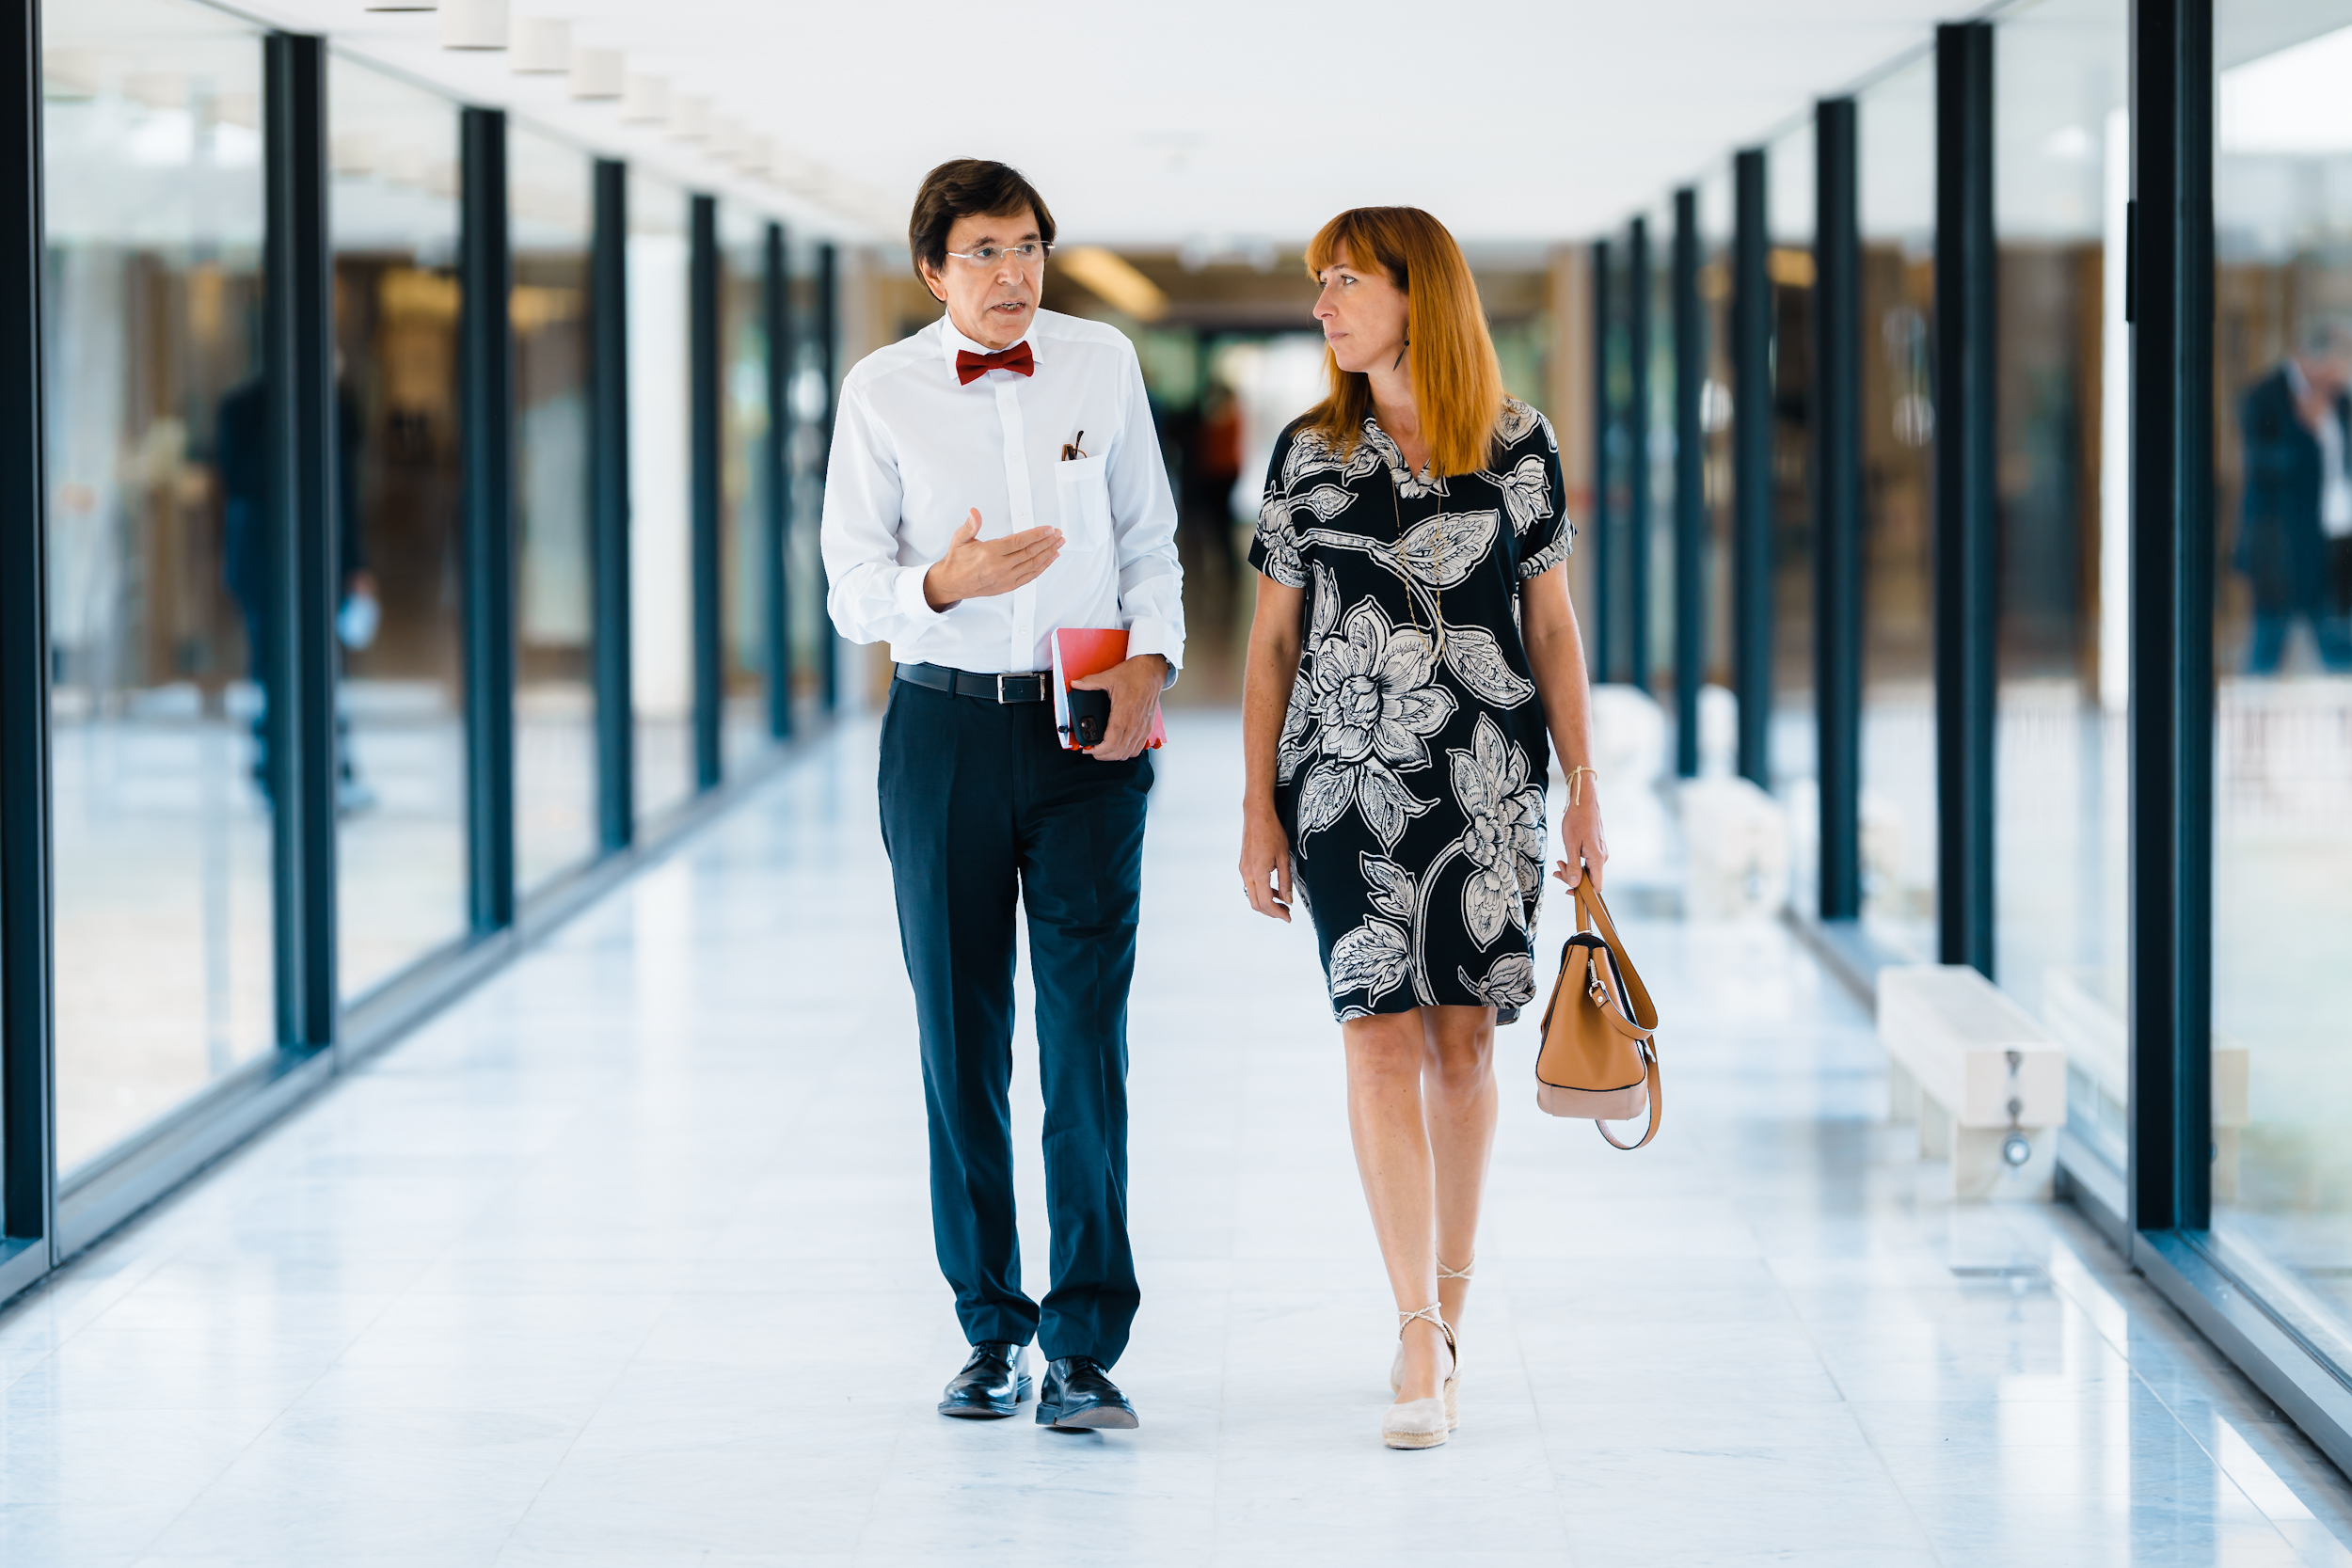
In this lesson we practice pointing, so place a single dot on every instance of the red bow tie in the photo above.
(970, 367)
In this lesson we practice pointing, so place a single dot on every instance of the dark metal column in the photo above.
(302, 530)
(829, 351)
(775, 458)
(1637, 511)
(2169, 304)
(608, 506)
(1690, 329)
(703, 458)
(1604, 430)
(1837, 496)
(1966, 519)
(27, 1110)
(1751, 467)
(486, 393)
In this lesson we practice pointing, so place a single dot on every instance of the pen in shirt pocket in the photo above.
(1069, 451)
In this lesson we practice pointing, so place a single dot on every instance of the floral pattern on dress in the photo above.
(1519, 422)
(1413, 754)
(1526, 493)
(1504, 840)
(1509, 981)
(1278, 532)
(1363, 708)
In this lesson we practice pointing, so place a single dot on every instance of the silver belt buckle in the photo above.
(1000, 684)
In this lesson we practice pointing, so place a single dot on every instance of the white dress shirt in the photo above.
(913, 451)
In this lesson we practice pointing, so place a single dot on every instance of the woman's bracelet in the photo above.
(1575, 784)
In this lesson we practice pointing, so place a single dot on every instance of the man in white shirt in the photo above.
(995, 477)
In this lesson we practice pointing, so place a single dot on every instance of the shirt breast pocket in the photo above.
(1084, 487)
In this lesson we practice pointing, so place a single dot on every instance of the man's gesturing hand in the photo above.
(1134, 688)
(976, 568)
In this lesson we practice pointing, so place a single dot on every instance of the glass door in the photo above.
(157, 580)
(2282, 676)
(743, 545)
(2061, 175)
(1897, 116)
(661, 600)
(550, 197)
(400, 704)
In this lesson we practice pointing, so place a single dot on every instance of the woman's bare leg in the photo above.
(1385, 1054)
(1458, 1085)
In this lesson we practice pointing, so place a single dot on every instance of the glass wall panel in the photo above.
(1897, 117)
(1624, 456)
(744, 488)
(152, 336)
(2062, 146)
(1717, 707)
(1660, 455)
(1610, 624)
(804, 569)
(661, 601)
(1789, 177)
(551, 198)
(2282, 763)
(400, 702)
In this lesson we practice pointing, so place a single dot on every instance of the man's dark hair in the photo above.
(963, 188)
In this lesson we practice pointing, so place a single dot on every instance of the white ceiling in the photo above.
(1232, 121)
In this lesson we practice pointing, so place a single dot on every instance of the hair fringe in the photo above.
(967, 187)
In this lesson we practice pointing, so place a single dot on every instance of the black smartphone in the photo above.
(1089, 716)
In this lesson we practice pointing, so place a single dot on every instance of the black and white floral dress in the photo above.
(1411, 774)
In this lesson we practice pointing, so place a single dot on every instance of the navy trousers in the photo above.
(982, 810)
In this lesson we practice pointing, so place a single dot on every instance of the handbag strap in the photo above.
(1609, 999)
(1645, 1013)
(1588, 903)
(1657, 1106)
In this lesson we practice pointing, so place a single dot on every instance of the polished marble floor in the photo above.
(626, 1260)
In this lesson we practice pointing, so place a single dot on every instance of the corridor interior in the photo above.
(625, 1258)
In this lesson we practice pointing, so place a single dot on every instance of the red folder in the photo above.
(1080, 652)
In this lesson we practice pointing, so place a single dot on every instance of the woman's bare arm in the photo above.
(1556, 653)
(1265, 697)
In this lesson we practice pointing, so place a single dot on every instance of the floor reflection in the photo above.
(163, 883)
(626, 1260)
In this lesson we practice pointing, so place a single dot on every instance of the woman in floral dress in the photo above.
(1413, 652)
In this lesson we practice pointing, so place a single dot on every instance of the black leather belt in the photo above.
(1019, 687)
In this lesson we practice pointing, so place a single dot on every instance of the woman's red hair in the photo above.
(1457, 381)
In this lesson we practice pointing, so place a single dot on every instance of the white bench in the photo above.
(2098, 1046)
(1984, 1081)
(1735, 849)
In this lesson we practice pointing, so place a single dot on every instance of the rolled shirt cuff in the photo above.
(1151, 634)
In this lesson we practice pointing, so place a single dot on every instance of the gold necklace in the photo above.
(1412, 603)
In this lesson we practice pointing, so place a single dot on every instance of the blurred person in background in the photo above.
(1214, 451)
(2294, 526)
(241, 448)
(1413, 649)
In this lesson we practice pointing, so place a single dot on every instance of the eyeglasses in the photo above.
(1026, 255)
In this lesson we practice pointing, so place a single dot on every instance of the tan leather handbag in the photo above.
(1598, 1058)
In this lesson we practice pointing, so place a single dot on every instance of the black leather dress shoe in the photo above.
(1079, 1396)
(992, 1384)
